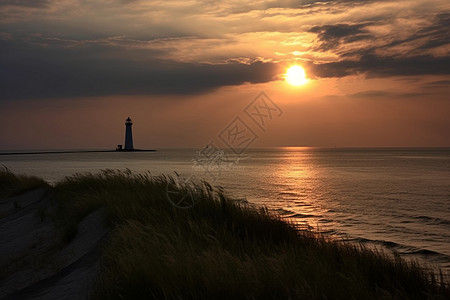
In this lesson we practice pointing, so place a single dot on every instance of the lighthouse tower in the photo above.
(128, 135)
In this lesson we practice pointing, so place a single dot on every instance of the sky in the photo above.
(190, 72)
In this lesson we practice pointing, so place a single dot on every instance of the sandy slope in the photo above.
(34, 263)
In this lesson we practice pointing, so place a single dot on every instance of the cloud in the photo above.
(30, 71)
(438, 33)
(384, 47)
(371, 94)
(332, 36)
(438, 84)
(25, 3)
(380, 66)
(72, 48)
(381, 94)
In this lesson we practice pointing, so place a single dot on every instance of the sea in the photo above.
(396, 200)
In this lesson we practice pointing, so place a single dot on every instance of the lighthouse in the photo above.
(128, 135)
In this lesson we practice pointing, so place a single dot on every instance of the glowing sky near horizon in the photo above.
(72, 71)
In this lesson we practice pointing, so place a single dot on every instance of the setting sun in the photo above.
(295, 75)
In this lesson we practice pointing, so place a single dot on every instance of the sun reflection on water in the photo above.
(297, 181)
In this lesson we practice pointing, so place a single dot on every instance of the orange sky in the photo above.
(72, 71)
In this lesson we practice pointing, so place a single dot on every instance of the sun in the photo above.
(295, 75)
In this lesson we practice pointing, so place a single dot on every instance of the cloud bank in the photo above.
(51, 49)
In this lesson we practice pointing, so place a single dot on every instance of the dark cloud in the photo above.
(332, 36)
(392, 66)
(384, 66)
(438, 33)
(30, 71)
(428, 37)
(377, 94)
(415, 57)
(437, 84)
(25, 3)
(62, 70)
(367, 59)
(371, 94)
(226, 8)
(307, 3)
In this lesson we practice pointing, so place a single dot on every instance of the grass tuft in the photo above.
(12, 185)
(172, 241)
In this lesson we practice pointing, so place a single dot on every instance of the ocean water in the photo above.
(393, 199)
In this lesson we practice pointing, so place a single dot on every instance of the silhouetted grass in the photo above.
(200, 244)
(12, 184)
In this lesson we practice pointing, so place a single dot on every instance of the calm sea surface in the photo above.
(395, 199)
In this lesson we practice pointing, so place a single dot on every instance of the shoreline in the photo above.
(75, 151)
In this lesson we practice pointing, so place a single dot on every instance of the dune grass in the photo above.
(12, 184)
(196, 243)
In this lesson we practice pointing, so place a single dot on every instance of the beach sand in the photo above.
(34, 262)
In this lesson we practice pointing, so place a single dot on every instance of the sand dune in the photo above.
(34, 263)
